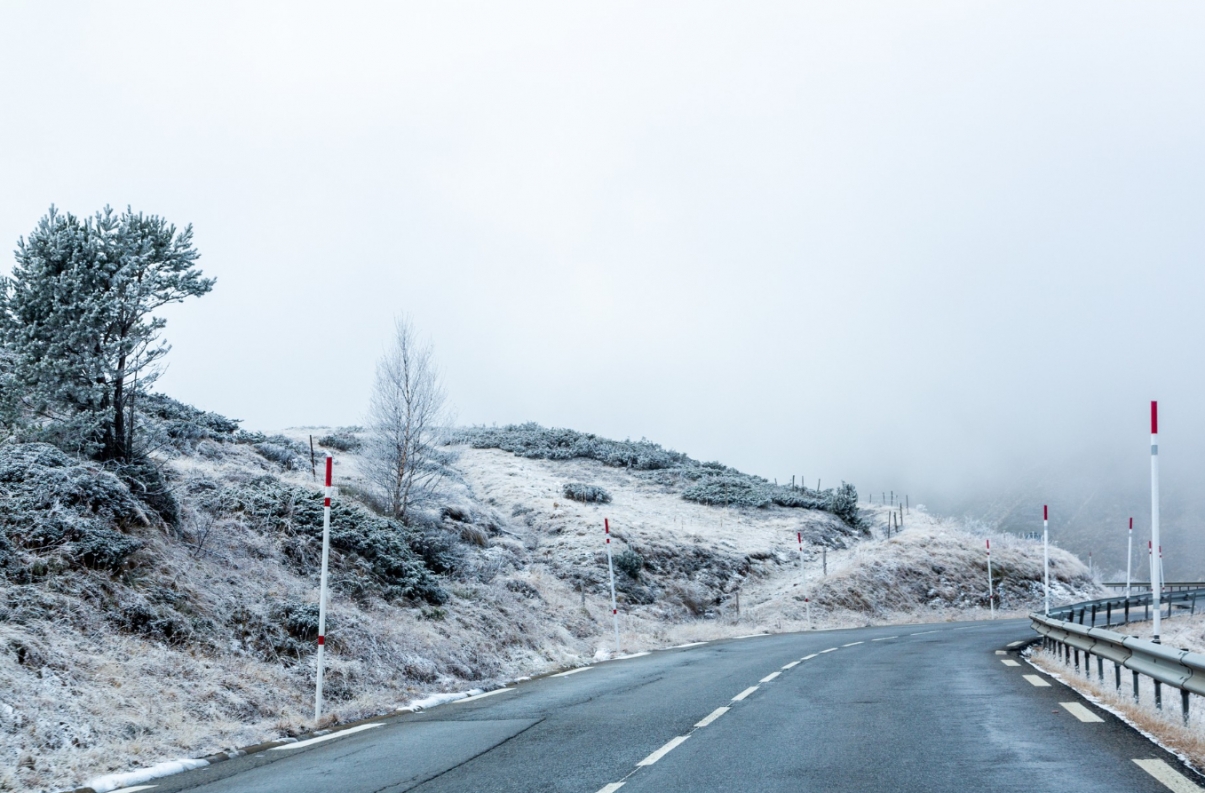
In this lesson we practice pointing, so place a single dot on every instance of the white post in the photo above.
(1046, 553)
(1156, 571)
(326, 552)
(1129, 555)
(991, 597)
(611, 571)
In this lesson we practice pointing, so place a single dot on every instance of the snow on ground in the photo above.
(78, 698)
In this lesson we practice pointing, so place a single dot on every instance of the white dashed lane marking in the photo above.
(1017, 644)
(574, 671)
(769, 677)
(1080, 712)
(829, 650)
(1001, 652)
(331, 737)
(809, 657)
(922, 633)
(884, 638)
(791, 665)
(715, 714)
(486, 694)
(664, 750)
(1172, 779)
(1037, 681)
(852, 644)
(744, 693)
(1009, 662)
(611, 788)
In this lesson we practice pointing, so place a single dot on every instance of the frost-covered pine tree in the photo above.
(76, 319)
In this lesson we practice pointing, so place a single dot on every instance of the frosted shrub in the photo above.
(343, 439)
(723, 491)
(295, 514)
(629, 562)
(57, 513)
(540, 443)
(283, 451)
(168, 423)
(587, 494)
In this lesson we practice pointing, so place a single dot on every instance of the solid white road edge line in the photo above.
(630, 655)
(573, 671)
(715, 714)
(486, 694)
(852, 644)
(330, 737)
(1037, 681)
(663, 751)
(684, 646)
(744, 693)
(1171, 778)
(611, 788)
(769, 677)
(1009, 662)
(1080, 712)
(791, 665)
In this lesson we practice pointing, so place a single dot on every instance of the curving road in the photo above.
(920, 708)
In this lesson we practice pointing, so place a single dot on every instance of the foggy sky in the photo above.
(950, 249)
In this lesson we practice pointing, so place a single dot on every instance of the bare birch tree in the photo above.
(405, 416)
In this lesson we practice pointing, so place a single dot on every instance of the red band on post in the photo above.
(1154, 417)
(326, 502)
(1131, 524)
(1045, 513)
(322, 640)
(607, 525)
(329, 461)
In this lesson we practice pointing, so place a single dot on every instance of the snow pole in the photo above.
(1156, 571)
(1046, 553)
(326, 552)
(799, 536)
(1129, 555)
(991, 595)
(611, 571)
(807, 602)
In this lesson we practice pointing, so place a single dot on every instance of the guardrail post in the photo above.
(1117, 671)
(1127, 614)
(1184, 704)
(1076, 651)
(1093, 615)
(1100, 668)
(1146, 610)
(1108, 613)
(1135, 674)
(1158, 695)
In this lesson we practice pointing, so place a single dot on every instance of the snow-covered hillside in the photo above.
(126, 640)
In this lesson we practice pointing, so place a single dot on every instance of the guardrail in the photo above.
(1181, 669)
(1145, 586)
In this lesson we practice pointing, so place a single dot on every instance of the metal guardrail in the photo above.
(1168, 586)
(1181, 669)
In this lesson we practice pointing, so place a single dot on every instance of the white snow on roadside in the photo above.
(438, 699)
(110, 782)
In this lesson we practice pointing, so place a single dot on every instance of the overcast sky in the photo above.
(914, 245)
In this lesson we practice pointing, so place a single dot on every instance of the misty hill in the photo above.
(173, 612)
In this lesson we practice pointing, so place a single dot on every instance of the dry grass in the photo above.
(1166, 727)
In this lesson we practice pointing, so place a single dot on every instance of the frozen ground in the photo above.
(81, 695)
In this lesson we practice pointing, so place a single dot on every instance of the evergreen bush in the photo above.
(587, 494)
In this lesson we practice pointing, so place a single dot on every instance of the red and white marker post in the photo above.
(991, 596)
(1129, 555)
(1046, 553)
(1156, 568)
(326, 552)
(611, 571)
(799, 536)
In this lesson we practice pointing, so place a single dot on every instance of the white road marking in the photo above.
(1001, 652)
(684, 646)
(1080, 712)
(1037, 681)
(769, 677)
(791, 665)
(751, 635)
(852, 644)
(744, 693)
(574, 671)
(664, 750)
(1172, 779)
(136, 787)
(922, 633)
(884, 638)
(715, 714)
(632, 655)
(1017, 644)
(611, 788)
(809, 657)
(486, 694)
(331, 737)
(829, 650)
(1009, 662)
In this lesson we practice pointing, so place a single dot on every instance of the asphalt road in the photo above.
(922, 708)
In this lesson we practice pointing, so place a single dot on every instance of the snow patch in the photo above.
(110, 782)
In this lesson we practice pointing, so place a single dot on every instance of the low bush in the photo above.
(629, 562)
(587, 494)
(343, 439)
